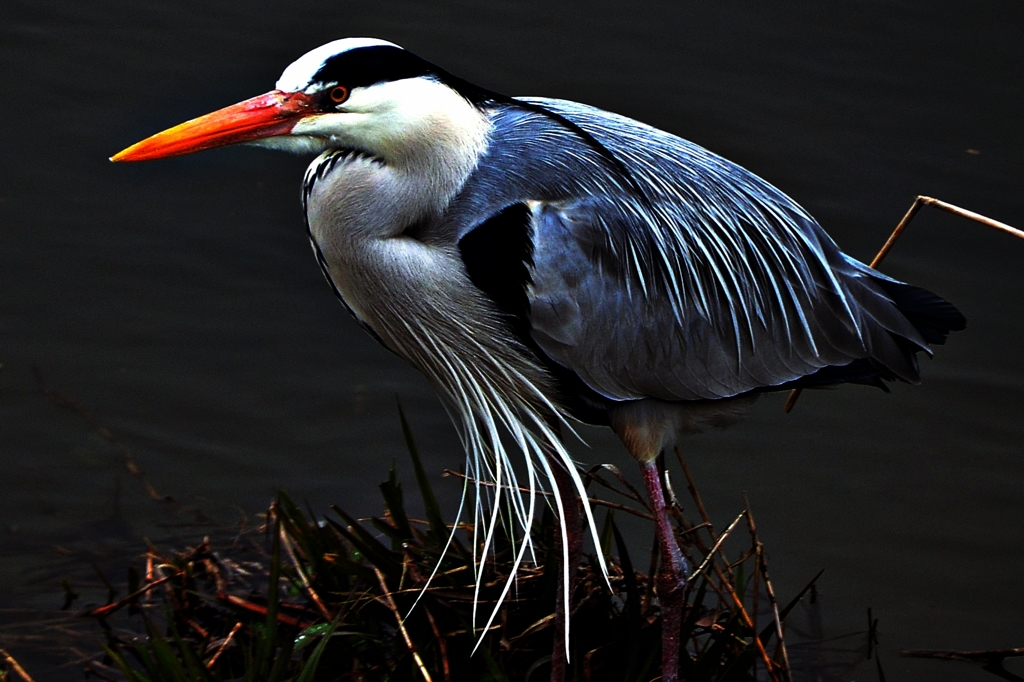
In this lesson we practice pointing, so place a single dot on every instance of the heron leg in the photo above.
(671, 577)
(574, 538)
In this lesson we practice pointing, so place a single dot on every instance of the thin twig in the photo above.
(594, 501)
(872, 633)
(150, 575)
(105, 433)
(199, 629)
(598, 502)
(693, 529)
(224, 645)
(442, 643)
(672, 505)
(110, 608)
(769, 666)
(755, 589)
(762, 564)
(692, 488)
(714, 549)
(324, 611)
(15, 666)
(282, 618)
(632, 493)
(97, 669)
(988, 655)
(720, 574)
(401, 625)
(920, 202)
(694, 494)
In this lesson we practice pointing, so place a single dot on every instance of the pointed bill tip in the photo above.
(156, 146)
(133, 153)
(120, 157)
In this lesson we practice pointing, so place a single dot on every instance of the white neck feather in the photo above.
(427, 139)
(417, 143)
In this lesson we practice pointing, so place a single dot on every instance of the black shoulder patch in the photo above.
(365, 66)
(498, 255)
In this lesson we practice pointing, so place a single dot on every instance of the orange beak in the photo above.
(270, 114)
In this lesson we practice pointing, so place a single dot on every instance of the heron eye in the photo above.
(339, 94)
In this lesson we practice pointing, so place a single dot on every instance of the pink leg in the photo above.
(671, 578)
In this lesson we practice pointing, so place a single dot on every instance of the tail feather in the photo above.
(933, 316)
(892, 344)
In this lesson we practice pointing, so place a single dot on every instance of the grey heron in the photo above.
(543, 261)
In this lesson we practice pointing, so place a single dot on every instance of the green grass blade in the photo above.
(283, 660)
(394, 502)
(372, 549)
(123, 665)
(267, 646)
(430, 505)
(168, 665)
(308, 673)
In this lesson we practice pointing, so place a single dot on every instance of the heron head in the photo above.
(359, 93)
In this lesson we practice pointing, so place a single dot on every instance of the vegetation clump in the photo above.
(393, 598)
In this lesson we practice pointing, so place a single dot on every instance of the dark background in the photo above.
(178, 302)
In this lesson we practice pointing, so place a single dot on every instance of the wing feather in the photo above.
(710, 285)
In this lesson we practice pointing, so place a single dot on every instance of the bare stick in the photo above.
(150, 571)
(725, 582)
(711, 554)
(282, 618)
(324, 611)
(914, 208)
(15, 666)
(442, 643)
(634, 494)
(96, 668)
(955, 210)
(692, 488)
(990, 655)
(224, 645)
(103, 611)
(105, 433)
(762, 564)
(401, 625)
(592, 500)
(768, 664)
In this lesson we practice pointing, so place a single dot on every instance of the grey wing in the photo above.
(673, 273)
(719, 338)
(711, 284)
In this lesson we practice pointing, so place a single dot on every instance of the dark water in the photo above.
(178, 303)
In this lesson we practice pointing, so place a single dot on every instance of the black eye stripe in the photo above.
(365, 66)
